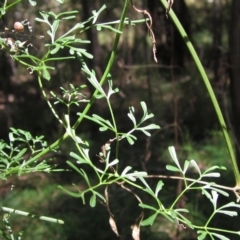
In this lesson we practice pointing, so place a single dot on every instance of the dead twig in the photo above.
(149, 26)
(170, 3)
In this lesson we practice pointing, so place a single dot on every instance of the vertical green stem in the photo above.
(209, 89)
(103, 79)
(110, 63)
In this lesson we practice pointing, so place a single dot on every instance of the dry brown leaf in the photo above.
(113, 225)
(135, 232)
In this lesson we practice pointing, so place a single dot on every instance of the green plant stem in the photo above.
(103, 79)
(110, 63)
(209, 89)
(28, 214)
(45, 151)
(12, 4)
(115, 127)
(48, 102)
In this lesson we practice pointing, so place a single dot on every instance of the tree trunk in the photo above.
(234, 59)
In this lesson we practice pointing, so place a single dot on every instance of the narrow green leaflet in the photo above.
(172, 168)
(142, 205)
(100, 196)
(100, 26)
(114, 162)
(111, 90)
(33, 3)
(124, 172)
(93, 200)
(45, 73)
(20, 154)
(73, 194)
(159, 187)
(80, 171)
(92, 79)
(145, 183)
(130, 139)
(79, 158)
(214, 174)
(102, 121)
(136, 174)
(131, 116)
(229, 213)
(213, 199)
(104, 124)
(96, 13)
(150, 220)
(145, 112)
(149, 127)
(174, 157)
(220, 236)
(202, 235)
(194, 164)
(185, 167)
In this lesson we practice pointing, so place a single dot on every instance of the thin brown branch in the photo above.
(149, 26)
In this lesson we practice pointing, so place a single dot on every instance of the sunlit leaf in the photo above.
(186, 165)
(79, 158)
(104, 128)
(159, 187)
(33, 3)
(173, 154)
(213, 168)
(93, 200)
(145, 132)
(145, 183)
(114, 162)
(130, 177)
(131, 115)
(145, 112)
(231, 204)
(194, 164)
(20, 154)
(150, 127)
(92, 79)
(137, 174)
(229, 213)
(206, 193)
(129, 139)
(202, 235)
(150, 220)
(124, 172)
(220, 236)
(214, 199)
(100, 196)
(73, 194)
(142, 205)
(84, 52)
(101, 120)
(45, 73)
(224, 193)
(211, 175)
(172, 168)
(96, 13)
(185, 220)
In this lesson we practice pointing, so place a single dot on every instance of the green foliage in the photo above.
(13, 155)
(26, 154)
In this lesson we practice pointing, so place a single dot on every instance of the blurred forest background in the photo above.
(172, 89)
